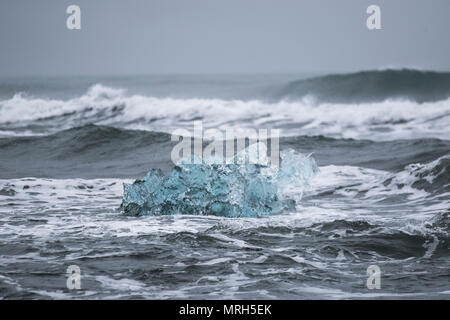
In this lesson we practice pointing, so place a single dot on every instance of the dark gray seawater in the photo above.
(381, 140)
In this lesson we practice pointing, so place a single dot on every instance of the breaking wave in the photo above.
(432, 177)
(373, 86)
(393, 116)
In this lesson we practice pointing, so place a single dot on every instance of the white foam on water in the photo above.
(73, 210)
(387, 120)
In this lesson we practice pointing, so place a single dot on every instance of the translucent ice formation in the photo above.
(240, 189)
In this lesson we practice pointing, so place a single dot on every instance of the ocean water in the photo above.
(381, 140)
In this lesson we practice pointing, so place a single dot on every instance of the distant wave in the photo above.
(93, 151)
(372, 86)
(100, 105)
(88, 151)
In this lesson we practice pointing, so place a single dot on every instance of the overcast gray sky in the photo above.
(221, 36)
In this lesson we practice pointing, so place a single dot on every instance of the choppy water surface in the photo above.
(381, 197)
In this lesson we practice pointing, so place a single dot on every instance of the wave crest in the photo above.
(373, 86)
(432, 177)
(101, 105)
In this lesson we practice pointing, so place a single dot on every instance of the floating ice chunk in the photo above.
(240, 189)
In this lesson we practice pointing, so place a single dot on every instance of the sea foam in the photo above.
(393, 118)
